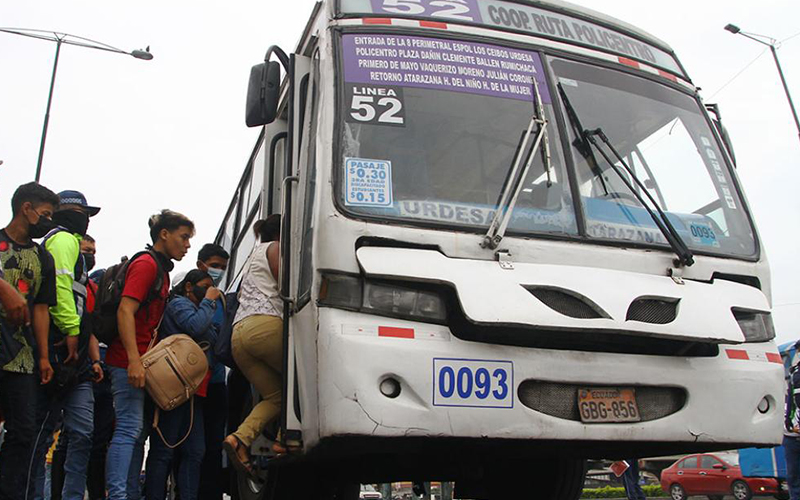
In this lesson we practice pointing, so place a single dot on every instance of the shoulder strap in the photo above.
(184, 438)
(159, 267)
(159, 281)
(155, 332)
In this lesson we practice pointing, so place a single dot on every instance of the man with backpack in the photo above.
(28, 269)
(103, 409)
(73, 352)
(140, 286)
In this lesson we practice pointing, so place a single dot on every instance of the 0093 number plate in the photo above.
(608, 405)
(473, 383)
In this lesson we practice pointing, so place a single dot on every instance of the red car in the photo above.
(713, 475)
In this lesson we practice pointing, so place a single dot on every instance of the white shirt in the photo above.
(259, 293)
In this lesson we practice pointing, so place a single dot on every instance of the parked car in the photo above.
(714, 475)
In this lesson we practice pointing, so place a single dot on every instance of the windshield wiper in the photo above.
(685, 256)
(589, 137)
(515, 179)
(581, 143)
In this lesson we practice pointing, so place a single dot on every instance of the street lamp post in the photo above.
(65, 38)
(752, 36)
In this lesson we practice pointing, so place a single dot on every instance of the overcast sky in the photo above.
(137, 136)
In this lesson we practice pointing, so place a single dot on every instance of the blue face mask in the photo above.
(216, 275)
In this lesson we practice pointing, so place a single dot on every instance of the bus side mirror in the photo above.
(262, 94)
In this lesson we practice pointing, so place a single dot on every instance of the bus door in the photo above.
(299, 329)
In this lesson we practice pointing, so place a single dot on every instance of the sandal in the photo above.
(232, 446)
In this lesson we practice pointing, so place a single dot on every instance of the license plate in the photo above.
(608, 405)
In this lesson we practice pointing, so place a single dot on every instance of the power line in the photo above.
(789, 38)
(737, 75)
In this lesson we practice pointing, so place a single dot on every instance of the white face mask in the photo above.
(216, 275)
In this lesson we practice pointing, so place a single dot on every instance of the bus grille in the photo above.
(567, 304)
(560, 400)
(653, 310)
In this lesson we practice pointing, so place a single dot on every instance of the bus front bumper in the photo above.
(453, 389)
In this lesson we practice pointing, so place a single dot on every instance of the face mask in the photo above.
(199, 292)
(75, 222)
(216, 274)
(88, 260)
(41, 228)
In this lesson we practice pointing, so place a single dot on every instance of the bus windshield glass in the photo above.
(431, 130)
(668, 144)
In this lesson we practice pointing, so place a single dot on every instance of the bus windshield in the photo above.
(431, 128)
(666, 141)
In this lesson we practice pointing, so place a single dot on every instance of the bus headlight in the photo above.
(383, 298)
(756, 326)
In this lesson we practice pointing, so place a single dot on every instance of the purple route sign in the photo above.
(441, 64)
(440, 10)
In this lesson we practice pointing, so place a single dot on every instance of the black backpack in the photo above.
(109, 295)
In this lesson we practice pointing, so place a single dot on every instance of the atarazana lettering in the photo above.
(621, 232)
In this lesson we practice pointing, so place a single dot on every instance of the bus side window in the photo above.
(274, 173)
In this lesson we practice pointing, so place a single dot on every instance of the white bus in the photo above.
(513, 239)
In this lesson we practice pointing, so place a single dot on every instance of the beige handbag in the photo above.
(173, 371)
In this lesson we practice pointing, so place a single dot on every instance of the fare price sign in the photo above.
(368, 182)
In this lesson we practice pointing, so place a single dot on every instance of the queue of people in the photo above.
(58, 379)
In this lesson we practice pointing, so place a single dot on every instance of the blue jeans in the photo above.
(77, 405)
(215, 412)
(174, 425)
(47, 469)
(791, 449)
(126, 451)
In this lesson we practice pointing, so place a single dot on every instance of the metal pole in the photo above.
(47, 113)
(785, 87)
